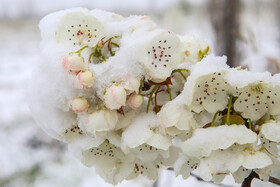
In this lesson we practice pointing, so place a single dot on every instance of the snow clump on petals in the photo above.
(204, 141)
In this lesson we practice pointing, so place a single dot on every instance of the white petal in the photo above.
(256, 160)
(139, 132)
(100, 121)
(221, 162)
(159, 141)
(271, 130)
(241, 174)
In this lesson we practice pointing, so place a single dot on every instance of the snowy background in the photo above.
(28, 157)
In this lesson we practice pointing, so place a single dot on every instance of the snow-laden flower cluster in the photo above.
(131, 99)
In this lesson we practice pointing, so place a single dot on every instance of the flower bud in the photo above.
(73, 62)
(115, 97)
(100, 43)
(135, 101)
(79, 105)
(86, 78)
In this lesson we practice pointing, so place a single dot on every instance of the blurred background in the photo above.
(247, 31)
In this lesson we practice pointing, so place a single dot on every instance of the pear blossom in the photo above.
(257, 99)
(86, 78)
(207, 88)
(162, 56)
(73, 62)
(191, 47)
(148, 169)
(269, 136)
(79, 28)
(79, 105)
(72, 133)
(105, 155)
(115, 97)
(185, 165)
(230, 160)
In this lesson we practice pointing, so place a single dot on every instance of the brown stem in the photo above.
(156, 92)
(274, 180)
(247, 182)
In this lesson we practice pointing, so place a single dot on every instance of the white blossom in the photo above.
(207, 88)
(162, 56)
(79, 28)
(193, 49)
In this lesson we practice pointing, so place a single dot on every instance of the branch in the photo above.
(274, 180)
(247, 182)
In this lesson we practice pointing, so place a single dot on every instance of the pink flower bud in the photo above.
(135, 101)
(115, 97)
(86, 78)
(73, 62)
(79, 105)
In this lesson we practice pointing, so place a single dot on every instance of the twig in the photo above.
(247, 182)
(274, 180)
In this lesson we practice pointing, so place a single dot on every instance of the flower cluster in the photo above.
(131, 99)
